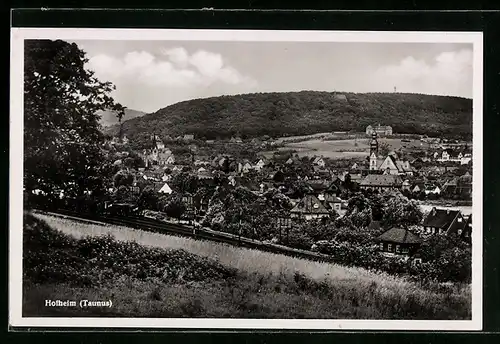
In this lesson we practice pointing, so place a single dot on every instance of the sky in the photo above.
(150, 75)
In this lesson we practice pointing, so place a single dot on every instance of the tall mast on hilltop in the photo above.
(394, 89)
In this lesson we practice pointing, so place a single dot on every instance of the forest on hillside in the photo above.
(306, 112)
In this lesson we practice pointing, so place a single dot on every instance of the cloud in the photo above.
(148, 82)
(174, 68)
(449, 73)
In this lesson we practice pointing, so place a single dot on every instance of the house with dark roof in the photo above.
(309, 208)
(381, 182)
(442, 221)
(399, 241)
(317, 186)
(467, 230)
(331, 202)
(462, 227)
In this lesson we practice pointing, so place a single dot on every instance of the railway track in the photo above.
(152, 225)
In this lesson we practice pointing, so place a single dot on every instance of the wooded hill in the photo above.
(306, 112)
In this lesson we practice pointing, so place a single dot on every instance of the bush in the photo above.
(50, 256)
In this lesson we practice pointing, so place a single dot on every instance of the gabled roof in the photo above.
(440, 218)
(331, 198)
(457, 225)
(380, 180)
(165, 189)
(399, 236)
(317, 185)
(310, 204)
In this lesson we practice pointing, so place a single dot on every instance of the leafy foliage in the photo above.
(62, 137)
(50, 256)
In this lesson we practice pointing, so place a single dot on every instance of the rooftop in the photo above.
(399, 236)
(440, 218)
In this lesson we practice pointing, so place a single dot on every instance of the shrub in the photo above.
(50, 256)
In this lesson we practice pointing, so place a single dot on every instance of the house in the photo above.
(236, 139)
(355, 166)
(382, 130)
(245, 167)
(445, 155)
(406, 186)
(317, 186)
(390, 164)
(321, 172)
(205, 176)
(260, 164)
(335, 187)
(466, 231)
(466, 159)
(309, 208)
(381, 182)
(165, 158)
(319, 161)
(398, 241)
(432, 189)
(417, 187)
(461, 186)
(331, 202)
(188, 137)
(439, 221)
(165, 189)
(462, 227)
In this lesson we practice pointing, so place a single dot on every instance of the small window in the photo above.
(405, 249)
(381, 246)
(397, 249)
(466, 234)
(389, 247)
(459, 219)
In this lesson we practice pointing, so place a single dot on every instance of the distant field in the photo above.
(330, 146)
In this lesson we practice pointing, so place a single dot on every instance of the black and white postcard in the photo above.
(226, 179)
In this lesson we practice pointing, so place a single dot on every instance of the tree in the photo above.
(398, 210)
(175, 208)
(185, 182)
(123, 178)
(384, 149)
(148, 199)
(62, 140)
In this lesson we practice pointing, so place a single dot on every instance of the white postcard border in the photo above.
(18, 35)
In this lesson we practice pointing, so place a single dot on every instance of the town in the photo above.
(229, 191)
(393, 202)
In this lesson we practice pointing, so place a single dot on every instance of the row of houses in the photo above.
(449, 155)
(402, 241)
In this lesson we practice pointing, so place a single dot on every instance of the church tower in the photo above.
(373, 151)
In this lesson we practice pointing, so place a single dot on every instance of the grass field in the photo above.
(266, 285)
(333, 147)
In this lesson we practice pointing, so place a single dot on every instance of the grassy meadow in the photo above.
(245, 283)
(335, 147)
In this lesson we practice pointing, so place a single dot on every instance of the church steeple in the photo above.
(373, 152)
(374, 144)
